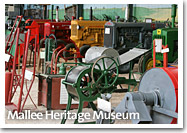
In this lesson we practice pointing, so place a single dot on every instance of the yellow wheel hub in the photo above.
(72, 50)
(149, 64)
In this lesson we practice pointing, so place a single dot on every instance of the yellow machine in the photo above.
(86, 33)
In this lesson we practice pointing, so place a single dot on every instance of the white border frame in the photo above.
(180, 65)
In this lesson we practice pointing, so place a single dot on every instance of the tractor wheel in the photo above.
(148, 62)
(83, 50)
(144, 58)
(61, 42)
(69, 47)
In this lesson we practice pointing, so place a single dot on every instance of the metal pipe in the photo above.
(91, 13)
(35, 46)
(57, 18)
(55, 71)
(140, 37)
(45, 11)
(53, 57)
(23, 70)
(117, 17)
(14, 67)
(173, 14)
(52, 7)
(96, 37)
(127, 13)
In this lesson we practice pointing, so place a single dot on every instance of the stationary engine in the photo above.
(86, 33)
(123, 36)
(157, 98)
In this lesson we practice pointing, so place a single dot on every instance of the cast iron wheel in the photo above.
(107, 75)
(67, 54)
(83, 50)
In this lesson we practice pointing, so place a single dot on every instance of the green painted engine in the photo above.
(169, 37)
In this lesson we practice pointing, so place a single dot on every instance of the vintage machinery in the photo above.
(57, 34)
(59, 29)
(124, 36)
(18, 78)
(86, 82)
(37, 28)
(54, 51)
(52, 94)
(157, 98)
(56, 37)
(10, 43)
(168, 36)
(156, 101)
(57, 41)
(85, 34)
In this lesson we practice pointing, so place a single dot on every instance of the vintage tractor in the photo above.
(57, 42)
(168, 36)
(85, 34)
(124, 36)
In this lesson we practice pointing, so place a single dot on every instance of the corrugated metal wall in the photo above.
(159, 12)
(110, 10)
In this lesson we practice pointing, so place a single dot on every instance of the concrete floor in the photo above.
(115, 100)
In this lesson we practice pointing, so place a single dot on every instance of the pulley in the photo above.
(157, 98)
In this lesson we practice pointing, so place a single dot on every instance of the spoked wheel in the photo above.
(107, 69)
(85, 85)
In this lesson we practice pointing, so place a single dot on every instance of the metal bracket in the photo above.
(165, 111)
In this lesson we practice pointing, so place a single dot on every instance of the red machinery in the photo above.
(37, 28)
(10, 38)
(61, 32)
(60, 50)
(10, 42)
(172, 72)
(18, 79)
